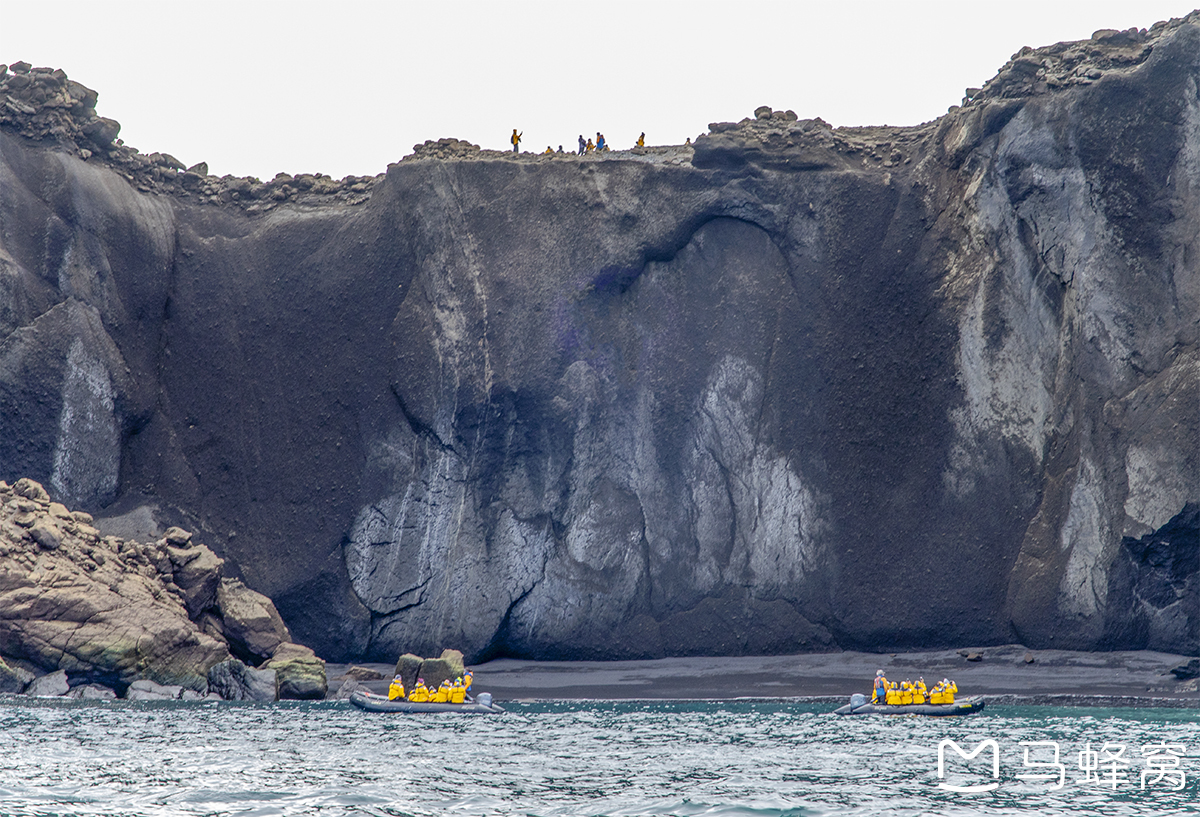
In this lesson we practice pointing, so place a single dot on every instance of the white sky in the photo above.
(255, 87)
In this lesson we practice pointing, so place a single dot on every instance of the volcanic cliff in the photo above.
(791, 388)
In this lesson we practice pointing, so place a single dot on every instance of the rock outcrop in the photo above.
(791, 388)
(446, 667)
(234, 681)
(120, 613)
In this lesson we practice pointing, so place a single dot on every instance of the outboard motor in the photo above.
(484, 699)
(857, 700)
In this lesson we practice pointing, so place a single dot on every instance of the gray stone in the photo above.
(31, 490)
(1189, 670)
(346, 689)
(177, 537)
(46, 535)
(92, 692)
(300, 674)
(408, 667)
(49, 686)
(14, 679)
(234, 681)
(146, 690)
(102, 131)
(250, 621)
(197, 573)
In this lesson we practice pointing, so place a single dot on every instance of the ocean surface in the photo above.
(743, 758)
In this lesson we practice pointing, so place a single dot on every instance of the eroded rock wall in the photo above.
(793, 388)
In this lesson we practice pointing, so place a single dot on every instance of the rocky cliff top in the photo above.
(45, 105)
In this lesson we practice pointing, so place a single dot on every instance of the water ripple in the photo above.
(628, 759)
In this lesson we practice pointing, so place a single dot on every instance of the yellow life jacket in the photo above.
(906, 695)
(396, 690)
(443, 693)
(937, 697)
(515, 139)
(918, 695)
(458, 692)
(420, 694)
(893, 696)
(467, 679)
(641, 142)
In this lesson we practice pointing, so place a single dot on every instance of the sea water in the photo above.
(745, 758)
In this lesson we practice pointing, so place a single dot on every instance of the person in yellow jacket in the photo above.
(458, 692)
(893, 694)
(396, 690)
(467, 679)
(641, 142)
(442, 696)
(420, 693)
(516, 140)
(589, 147)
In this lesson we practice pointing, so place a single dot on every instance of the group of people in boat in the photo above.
(911, 692)
(448, 692)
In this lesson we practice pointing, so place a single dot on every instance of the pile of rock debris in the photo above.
(95, 616)
(45, 105)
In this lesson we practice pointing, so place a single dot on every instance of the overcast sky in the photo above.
(255, 87)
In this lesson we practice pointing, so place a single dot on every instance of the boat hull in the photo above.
(963, 707)
(378, 703)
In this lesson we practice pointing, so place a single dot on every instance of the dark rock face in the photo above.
(797, 388)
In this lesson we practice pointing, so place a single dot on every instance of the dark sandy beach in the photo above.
(1054, 677)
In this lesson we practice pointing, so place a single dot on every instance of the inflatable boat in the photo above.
(371, 702)
(860, 706)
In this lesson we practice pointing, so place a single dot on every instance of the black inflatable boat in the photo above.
(961, 707)
(379, 703)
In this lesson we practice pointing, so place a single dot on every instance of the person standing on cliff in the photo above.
(582, 145)
(516, 140)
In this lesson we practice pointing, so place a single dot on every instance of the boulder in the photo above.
(177, 537)
(408, 667)
(92, 692)
(300, 673)
(762, 112)
(364, 674)
(250, 621)
(234, 681)
(1189, 670)
(13, 679)
(197, 573)
(145, 690)
(454, 660)
(46, 535)
(31, 490)
(102, 131)
(346, 689)
(436, 670)
(49, 686)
